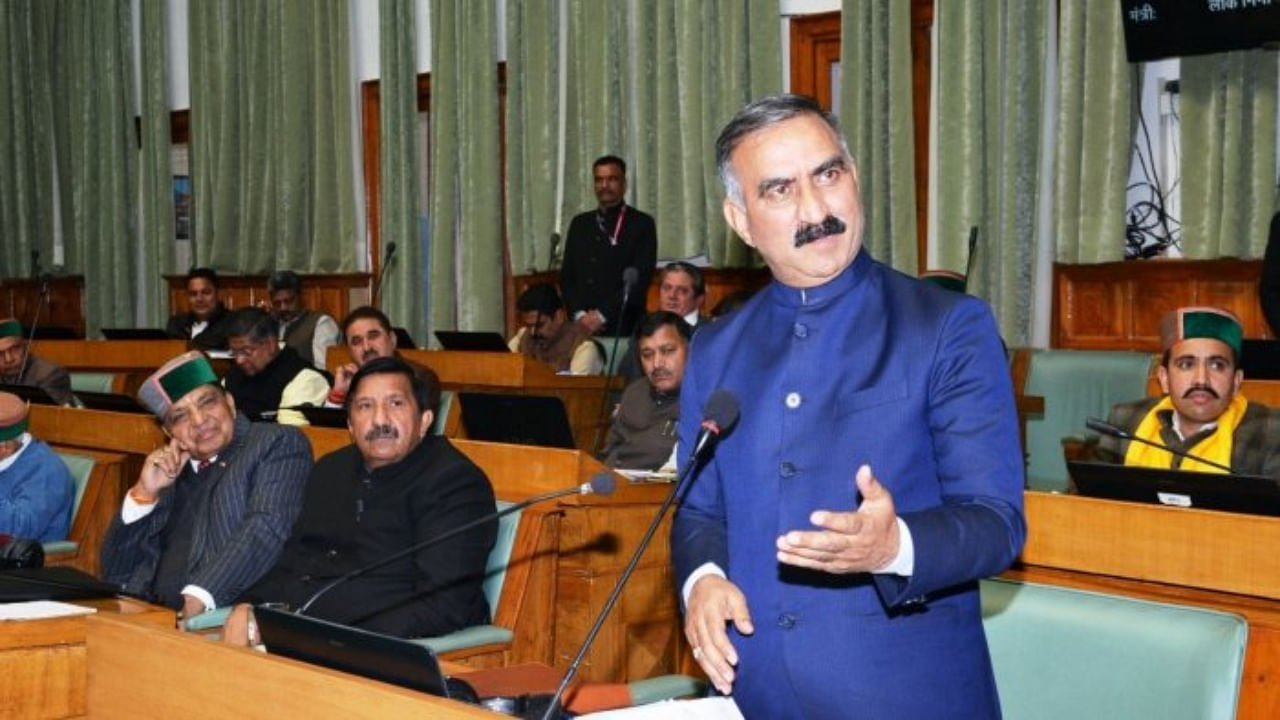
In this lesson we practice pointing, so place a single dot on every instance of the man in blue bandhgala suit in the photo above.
(828, 553)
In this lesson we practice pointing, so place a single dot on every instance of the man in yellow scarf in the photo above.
(1202, 411)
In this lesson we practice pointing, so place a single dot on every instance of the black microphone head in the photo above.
(630, 276)
(1105, 428)
(603, 483)
(721, 410)
(391, 248)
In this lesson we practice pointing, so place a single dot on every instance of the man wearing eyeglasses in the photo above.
(268, 380)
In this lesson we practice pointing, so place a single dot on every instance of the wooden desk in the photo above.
(44, 665)
(193, 677)
(512, 374)
(132, 359)
(1192, 557)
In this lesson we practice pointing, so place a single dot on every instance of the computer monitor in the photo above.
(1208, 491)
(113, 402)
(352, 650)
(30, 393)
(471, 341)
(134, 334)
(516, 419)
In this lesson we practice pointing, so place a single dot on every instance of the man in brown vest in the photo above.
(547, 336)
(308, 332)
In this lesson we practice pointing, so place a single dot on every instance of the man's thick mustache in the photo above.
(378, 432)
(1201, 388)
(830, 225)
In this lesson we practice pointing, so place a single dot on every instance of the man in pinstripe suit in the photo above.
(212, 508)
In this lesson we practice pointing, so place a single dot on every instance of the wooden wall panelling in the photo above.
(1118, 306)
(19, 298)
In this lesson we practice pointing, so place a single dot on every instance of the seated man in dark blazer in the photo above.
(211, 508)
(1202, 411)
(204, 324)
(397, 485)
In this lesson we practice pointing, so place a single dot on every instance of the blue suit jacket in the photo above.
(258, 492)
(878, 368)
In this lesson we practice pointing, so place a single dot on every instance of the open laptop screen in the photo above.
(1207, 491)
(359, 652)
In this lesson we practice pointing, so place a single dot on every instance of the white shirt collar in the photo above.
(25, 439)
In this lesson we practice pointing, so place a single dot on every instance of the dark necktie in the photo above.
(200, 466)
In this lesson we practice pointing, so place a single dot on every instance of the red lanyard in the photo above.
(617, 228)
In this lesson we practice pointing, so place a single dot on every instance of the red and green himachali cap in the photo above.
(1188, 323)
(175, 379)
(13, 416)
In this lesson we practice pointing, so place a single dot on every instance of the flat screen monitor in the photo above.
(352, 650)
(516, 419)
(1155, 29)
(471, 341)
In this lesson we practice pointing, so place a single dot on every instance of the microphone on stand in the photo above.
(602, 484)
(1107, 428)
(382, 273)
(629, 278)
(718, 417)
(45, 279)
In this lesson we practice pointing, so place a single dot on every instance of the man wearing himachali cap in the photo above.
(212, 508)
(1202, 411)
(19, 367)
(35, 486)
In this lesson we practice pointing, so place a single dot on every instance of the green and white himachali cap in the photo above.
(13, 416)
(175, 379)
(1187, 323)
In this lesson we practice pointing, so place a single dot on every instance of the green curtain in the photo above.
(652, 82)
(272, 171)
(1228, 141)
(876, 116)
(157, 176)
(403, 294)
(26, 163)
(990, 63)
(1095, 126)
(96, 157)
(465, 196)
(532, 130)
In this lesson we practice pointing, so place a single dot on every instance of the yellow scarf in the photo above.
(1216, 447)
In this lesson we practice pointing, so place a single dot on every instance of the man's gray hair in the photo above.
(761, 114)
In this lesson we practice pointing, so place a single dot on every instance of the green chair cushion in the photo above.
(60, 547)
(1064, 653)
(474, 636)
(81, 467)
(665, 687)
(92, 382)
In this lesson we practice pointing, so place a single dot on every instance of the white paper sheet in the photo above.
(41, 609)
(718, 708)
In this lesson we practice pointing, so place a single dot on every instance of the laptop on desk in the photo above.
(378, 657)
(324, 416)
(113, 402)
(134, 334)
(472, 341)
(52, 583)
(30, 393)
(516, 419)
(1248, 494)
